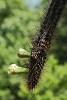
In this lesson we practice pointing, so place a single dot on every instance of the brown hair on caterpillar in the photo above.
(42, 43)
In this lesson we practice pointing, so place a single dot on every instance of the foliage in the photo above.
(52, 84)
(17, 26)
(60, 48)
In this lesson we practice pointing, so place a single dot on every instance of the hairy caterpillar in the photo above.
(42, 43)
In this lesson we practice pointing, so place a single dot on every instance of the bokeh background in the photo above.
(19, 23)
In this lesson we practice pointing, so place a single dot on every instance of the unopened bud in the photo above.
(22, 53)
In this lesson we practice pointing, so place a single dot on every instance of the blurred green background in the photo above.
(19, 23)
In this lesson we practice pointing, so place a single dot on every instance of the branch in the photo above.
(42, 43)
